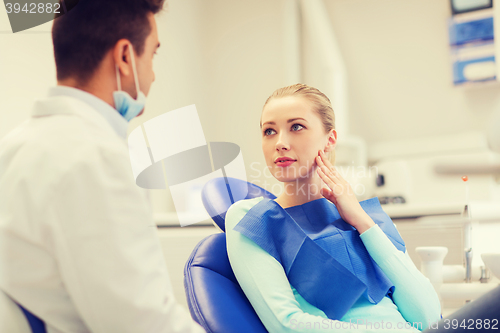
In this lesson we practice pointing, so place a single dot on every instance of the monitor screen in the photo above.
(462, 6)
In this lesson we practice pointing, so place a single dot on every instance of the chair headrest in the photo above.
(219, 194)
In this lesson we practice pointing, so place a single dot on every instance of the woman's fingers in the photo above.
(330, 176)
(331, 173)
(326, 176)
(322, 161)
(326, 160)
(329, 183)
(326, 192)
(335, 187)
(319, 161)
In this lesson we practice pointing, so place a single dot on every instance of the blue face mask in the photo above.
(128, 107)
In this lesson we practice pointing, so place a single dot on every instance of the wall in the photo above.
(227, 57)
(399, 67)
(27, 70)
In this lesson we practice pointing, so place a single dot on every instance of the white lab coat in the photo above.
(78, 246)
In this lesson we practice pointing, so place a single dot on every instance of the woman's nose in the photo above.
(282, 144)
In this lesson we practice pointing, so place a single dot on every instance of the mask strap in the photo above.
(134, 69)
(118, 79)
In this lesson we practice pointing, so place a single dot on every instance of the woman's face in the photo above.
(292, 135)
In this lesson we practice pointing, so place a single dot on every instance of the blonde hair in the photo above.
(321, 104)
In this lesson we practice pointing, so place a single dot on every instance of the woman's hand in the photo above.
(339, 192)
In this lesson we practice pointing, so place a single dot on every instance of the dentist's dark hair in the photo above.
(85, 30)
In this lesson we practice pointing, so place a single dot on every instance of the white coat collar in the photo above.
(67, 100)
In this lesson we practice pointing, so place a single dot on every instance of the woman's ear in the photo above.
(332, 141)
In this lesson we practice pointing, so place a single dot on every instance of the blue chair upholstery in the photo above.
(484, 309)
(220, 193)
(36, 324)
(214, 297)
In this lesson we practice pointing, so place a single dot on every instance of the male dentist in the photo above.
(78, 247)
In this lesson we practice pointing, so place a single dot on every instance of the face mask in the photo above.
(128, 107)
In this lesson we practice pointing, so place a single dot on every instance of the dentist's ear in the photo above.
(121, 56)
(332, 141)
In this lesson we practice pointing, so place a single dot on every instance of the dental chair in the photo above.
(16, 319)
(214, 297)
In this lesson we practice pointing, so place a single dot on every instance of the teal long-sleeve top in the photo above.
(281, 308)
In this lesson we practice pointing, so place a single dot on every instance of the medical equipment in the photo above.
(432, 267)
(483, 310)
(432, 263)
(492, 262)
(467, 243)
(424, 172)
(463, 6)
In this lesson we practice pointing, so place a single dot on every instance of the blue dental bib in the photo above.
(322, 255)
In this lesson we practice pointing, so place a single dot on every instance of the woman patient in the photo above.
(315, 259)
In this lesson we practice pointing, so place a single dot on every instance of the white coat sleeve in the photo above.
(108, 251)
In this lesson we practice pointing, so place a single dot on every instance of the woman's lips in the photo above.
(285, 164)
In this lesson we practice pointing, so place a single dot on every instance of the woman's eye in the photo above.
(297, 127)
(269, 131)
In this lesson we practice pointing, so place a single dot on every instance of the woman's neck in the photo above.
(300, 192)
